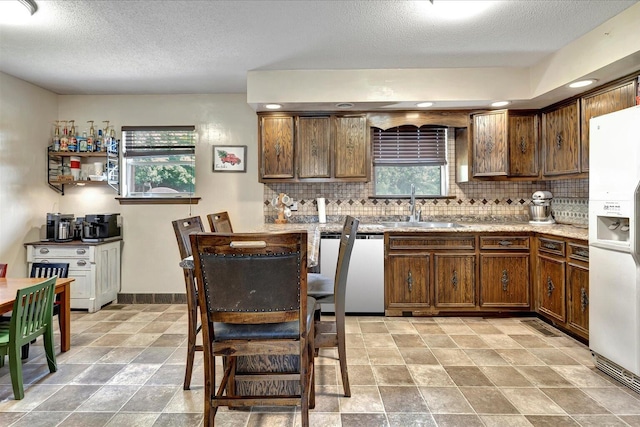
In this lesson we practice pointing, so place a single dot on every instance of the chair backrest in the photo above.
(184, 227)
(32, 312)
(49, 269)
(347, 239)
(3, 270)
(252, 277)
(220, 222)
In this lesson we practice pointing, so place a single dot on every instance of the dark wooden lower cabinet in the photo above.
(504, 280)
(455, 280)
(551, 288)
(578, 298)
(407, 278)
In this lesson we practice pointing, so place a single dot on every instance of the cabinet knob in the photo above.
(505, 243)
(550, 286)
(523, 145)
(505, 280)
(44, 250)
(490, 145)
(454, 279)
(278, 148)
(82, 262)
(81, 251)
(410, 281)
(584, 299)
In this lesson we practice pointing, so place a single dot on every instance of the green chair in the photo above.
(32, 317)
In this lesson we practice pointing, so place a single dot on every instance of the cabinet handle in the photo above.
(583, 253)
(550, 286)
(81, 251)
(550, 245)
(44, 250)
(505, 280)
(410, 281)
(523, 145)
(559, 140)
(454, 279)
(490, 145)
(584, 299)
(505, 243)
(277, 148)
(82, 262)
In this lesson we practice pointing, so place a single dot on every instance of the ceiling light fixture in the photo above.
(273, 106)
(344, 105)
(582, 83)
(31, 5)
(500, 103)
(424, 104)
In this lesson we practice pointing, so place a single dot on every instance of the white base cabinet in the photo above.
(95, 268)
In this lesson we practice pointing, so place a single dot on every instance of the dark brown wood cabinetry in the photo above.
(561, 140)
(604, 101)
(455, 280)
(504, 272)
(562, 285)
(327, 148)
(408, 282)
(505, 143)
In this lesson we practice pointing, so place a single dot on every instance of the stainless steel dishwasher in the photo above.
(365, 282)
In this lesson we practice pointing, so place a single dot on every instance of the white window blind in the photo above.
(410, 145)
(158, 140)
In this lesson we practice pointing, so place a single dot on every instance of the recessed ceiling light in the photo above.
(424, 104)
(500, 103)
(273, 106)
(344, 105)
(17, 12)
(582, 83)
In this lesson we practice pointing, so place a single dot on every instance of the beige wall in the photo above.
(150, 255)
(26, 117)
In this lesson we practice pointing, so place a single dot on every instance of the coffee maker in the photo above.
(101, 227)
(59, 227)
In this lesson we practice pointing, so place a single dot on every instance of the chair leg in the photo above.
(25, 351)
(15, 368)
(342, 353)
(191, 348)
(50, 350)
(305, 383)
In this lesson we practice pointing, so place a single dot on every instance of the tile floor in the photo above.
(126, 368)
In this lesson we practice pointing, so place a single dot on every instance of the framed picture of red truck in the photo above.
(229, 158)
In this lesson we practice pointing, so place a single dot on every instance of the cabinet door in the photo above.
(504, 280)
(597, 104)
(490, 144)
(276, 147)
(561, 140)
(454, 280)
(313, 135)
(578, 298)
(352, 158)
(523, 145)
(107, 273)
(551, 288)
(407, 281)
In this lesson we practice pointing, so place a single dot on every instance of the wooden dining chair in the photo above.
(32, 316)
(182, 228)
(220, 222)
(3, 270)
(332, 290)
(45, 270)
(252, 291)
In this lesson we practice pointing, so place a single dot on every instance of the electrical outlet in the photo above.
(294, 206)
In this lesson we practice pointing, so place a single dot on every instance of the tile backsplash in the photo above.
(470, 201)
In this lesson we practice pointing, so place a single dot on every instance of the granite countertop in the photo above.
(560, 230)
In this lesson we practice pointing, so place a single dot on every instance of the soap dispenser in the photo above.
(73, 139)
(105, 136)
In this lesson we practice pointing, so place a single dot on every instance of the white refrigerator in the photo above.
(614, 244)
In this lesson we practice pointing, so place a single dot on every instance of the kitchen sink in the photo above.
(421, 224)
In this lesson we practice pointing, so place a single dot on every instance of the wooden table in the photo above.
(9, 287)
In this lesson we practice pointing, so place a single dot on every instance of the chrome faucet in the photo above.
(414, 215)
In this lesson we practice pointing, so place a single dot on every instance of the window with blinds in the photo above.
(406, 155)
(160, 161)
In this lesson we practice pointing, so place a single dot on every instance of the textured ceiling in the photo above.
(159, 47)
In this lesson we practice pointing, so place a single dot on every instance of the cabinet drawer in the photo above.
(418, 242)
(74, 264)
(505, 242)
(579, 252)
(53, 251)
(551, 246)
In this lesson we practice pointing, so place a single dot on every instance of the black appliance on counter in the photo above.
(101, 228)
(59, 227)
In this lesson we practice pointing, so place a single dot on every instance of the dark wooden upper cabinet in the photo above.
(314, 147)
(276, 147)
(523, 144)
(561, 140)
(352, 147)
(490, 147)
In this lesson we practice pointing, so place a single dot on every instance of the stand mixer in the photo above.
(540, 208)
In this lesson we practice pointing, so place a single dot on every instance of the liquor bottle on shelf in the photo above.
(98, 143)
(64, 139)
(56, 137)
(105, 137)
(91, 139)
(73, 138)
(82, 142)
